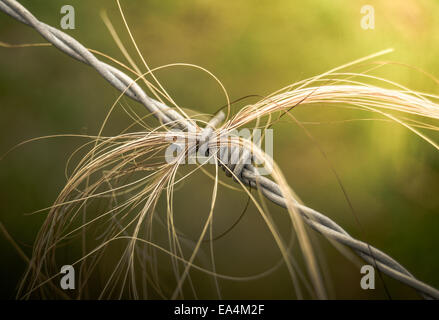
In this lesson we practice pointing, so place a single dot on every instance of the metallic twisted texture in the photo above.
(242, 170)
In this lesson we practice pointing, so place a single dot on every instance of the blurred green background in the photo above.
(253, 47)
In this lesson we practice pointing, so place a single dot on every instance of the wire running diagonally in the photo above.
(246, 172)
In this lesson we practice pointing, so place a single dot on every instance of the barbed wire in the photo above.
(242, 170)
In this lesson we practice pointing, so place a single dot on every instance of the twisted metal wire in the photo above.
(243, 170)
